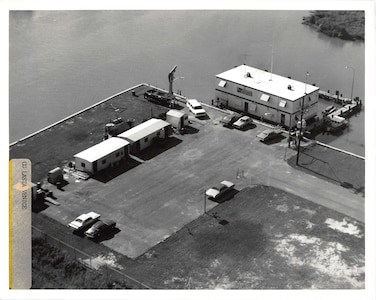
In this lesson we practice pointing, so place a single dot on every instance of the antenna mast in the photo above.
(271, 63)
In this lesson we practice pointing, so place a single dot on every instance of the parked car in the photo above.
(84, 221)
(216, 192)
(99, 228)
(242, 122)
(228, 120)
(196, 108)
(268, 135)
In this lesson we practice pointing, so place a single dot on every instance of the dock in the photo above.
(334, 97)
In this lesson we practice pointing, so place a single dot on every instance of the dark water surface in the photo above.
(64, 61)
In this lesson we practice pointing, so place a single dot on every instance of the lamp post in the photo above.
(352, 85)
(301, 120)
(204, 203)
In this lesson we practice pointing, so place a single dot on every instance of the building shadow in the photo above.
(38, 206)
(158, 147)
(112, 172)
(189, 130)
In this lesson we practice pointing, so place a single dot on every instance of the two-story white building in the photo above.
(265, 95)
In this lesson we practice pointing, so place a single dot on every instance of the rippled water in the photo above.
(63, 61)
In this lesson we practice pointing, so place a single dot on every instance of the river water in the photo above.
(63, 61)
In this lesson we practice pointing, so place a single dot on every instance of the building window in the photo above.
(264, 97)
(282, 103)
(83, 164)
(222, 83)
(146, 140)
(103, 161)
(117, 154)
(245, 92)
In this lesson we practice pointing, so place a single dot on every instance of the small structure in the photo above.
(143, 135)
(100, 156)
(177, 119)
(55, 176)
(116, 126)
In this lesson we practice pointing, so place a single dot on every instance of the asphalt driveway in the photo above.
(158, 196)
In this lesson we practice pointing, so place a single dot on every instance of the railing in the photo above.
(87, 260)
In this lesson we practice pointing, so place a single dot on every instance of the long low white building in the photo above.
(100, 156)
(142, 136)
(265, 95)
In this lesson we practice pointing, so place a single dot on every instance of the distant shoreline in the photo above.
(346, 25)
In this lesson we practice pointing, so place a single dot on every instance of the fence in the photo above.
(88, 261)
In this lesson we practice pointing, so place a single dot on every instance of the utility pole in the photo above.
(301, 121)
(353, 78)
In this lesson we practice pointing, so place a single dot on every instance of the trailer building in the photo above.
(178, 119)
(267, 96)
(100, 156)
(143, 135)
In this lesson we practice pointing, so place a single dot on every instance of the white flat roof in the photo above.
(144, 129)
(102, 149)
(175, 113)
(260, 80)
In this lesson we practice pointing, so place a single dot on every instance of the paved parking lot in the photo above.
(157, 197)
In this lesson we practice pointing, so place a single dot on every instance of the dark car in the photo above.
(228, 120)
(268, 135)
(100, 228)
(158, 97)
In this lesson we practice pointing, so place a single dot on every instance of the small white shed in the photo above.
(178, 119)
(100, 156)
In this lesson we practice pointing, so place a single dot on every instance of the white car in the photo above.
(216, 192)
(242, 122)
(196, 108)
(84, 221)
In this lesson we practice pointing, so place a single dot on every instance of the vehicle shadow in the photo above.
(248, 127)
(106, 236)
(206, 117)
(275, 140)
(226, 197)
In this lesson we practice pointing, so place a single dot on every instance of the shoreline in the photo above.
(149, 85)
(345, 25)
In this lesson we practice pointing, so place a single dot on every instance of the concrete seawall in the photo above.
(75, 114)
(182, 99)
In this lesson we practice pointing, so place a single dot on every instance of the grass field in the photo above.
(264, 238)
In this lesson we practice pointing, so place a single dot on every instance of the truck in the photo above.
(84, 221)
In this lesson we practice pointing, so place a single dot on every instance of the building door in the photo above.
(95, 166)
(283, 117)
(246, 107)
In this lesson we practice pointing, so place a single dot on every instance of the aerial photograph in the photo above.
(190, 149)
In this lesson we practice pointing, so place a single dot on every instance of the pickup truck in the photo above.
(84, 221)
(216, 192)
